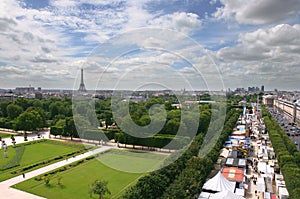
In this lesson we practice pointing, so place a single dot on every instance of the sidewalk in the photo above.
(20, 138)
(5, 187)
(8, 192)
(252, 187)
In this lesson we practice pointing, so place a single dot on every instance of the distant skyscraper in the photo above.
(82, 86)
(262, 88)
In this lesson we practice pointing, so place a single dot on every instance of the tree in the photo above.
(54, 130)
(28, 121)
(41, 112)
(3, 108)
(23, 102)
(99, 188)
(70, 128)
(46, 180)
(13, 111)
(59, 180)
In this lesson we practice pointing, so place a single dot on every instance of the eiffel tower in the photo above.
(82, 86)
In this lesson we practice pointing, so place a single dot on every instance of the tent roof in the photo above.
(224, 153)
(226, 194)
(283, 191)
(237, 133)
(219, 183)
(233, 173)
(261, 186)
(205, 195)
(237, 162)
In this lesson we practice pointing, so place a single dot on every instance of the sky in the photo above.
(150, 44)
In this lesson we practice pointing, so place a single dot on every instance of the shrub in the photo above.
(47, 180)
(38, 178)
(295, 193)
(286, 159)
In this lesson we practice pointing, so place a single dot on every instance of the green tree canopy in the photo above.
(100, 188)
(13, 111)
(28, 121)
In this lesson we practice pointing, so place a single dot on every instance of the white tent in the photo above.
(261, 186)
(205, 195)
(219, 183)
(224, 153)
(226, 194)
(283, 193)
(262, 167)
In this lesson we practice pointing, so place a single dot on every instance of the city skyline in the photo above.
(199, 45)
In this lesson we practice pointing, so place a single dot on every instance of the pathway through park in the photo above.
(6, 192)
(10, 193)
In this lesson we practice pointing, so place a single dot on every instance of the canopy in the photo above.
(262, 167)
(237, 133)
(283, 193)
(241, 127)
(219, 183)
(246, 141)
(233, 173)
(240, 192)
(224, 153)
(205, 195)
(261, 187)
(226, 194)
(237, 162)
(265, 168)
(238, 137)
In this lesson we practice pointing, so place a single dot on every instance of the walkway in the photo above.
(252, 187)
(20, 139)
(5, 187)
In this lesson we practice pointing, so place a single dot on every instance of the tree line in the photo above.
(184, 177)
(286, 153)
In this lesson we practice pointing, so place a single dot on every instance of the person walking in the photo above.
(23, 174)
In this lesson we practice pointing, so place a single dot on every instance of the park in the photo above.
(74, 181)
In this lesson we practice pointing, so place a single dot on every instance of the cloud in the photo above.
(63, 3)
(49, 43)
(258, 11)
(270, 54)
(6, 23)
(180, 21)
(48, 58)
(265, 44)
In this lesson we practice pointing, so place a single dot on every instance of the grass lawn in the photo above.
(34, 153)
(76, 181)
(132, 162)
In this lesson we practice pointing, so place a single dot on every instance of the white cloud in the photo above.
(63, 3)
(272, 54)
(180, 21)
(45, 44)
(279, 41)
(258, 11)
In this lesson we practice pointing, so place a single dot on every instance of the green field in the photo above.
(76, 181)
(132, 162)
(34, 153)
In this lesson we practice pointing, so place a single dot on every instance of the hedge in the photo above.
(188, 171)
(287, 154)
